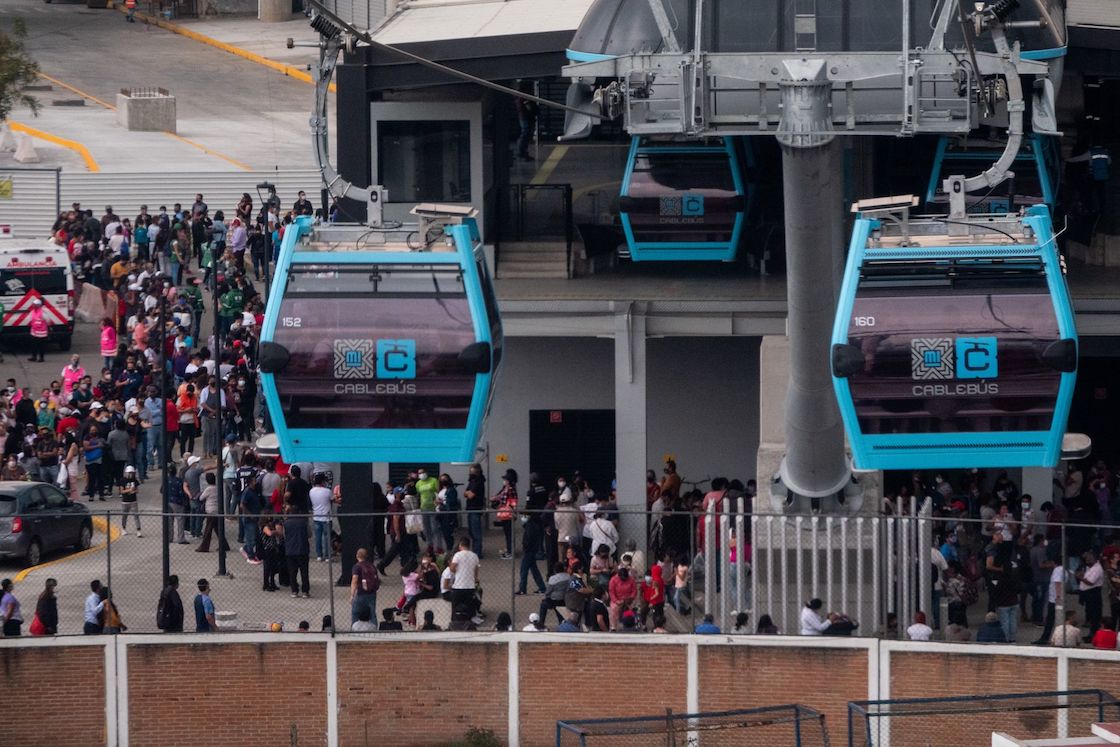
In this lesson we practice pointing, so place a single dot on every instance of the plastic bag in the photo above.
(63, 478)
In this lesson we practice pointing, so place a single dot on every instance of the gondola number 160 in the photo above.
(291, 321)
(861, 321)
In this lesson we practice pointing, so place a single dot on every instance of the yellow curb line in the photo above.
(549, 165)
(180, 138)
(99, 522)
(73, 145)
(71, 88)
(280, 67)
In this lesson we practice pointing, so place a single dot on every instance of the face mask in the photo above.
(423, 476)
(1026, 506)
(392, 499)
(524, 519)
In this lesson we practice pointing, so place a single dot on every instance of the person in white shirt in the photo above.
(919, 631)
(535, 625)
(93, 607)
(602, 532)
(321, 502)
(1068, 635)
(812, 621)
(465, 565)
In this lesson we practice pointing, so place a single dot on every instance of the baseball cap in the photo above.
(193, 461)
(129, 468)
(97, 406)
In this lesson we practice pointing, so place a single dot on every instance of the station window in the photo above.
(425, 161)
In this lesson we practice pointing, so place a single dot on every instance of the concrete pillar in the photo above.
(1038, 482)
(274, 11)
(354, 481)
(630, 417)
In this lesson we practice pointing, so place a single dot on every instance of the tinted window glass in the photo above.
(492, 313)
(46, 280)
(55, 499)
(960, 362)
(7, 505)
(682, 197)
(376, 359)
(425, 160)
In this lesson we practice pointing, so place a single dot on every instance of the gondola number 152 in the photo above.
(291, 321)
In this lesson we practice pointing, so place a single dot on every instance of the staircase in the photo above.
(532, 260)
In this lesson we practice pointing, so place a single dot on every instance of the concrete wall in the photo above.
(553, 373)
(702, 398)
(702, 408)
(423, 689)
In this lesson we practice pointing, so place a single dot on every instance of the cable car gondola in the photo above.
(954, 342)
(683, 201)
(378, 347)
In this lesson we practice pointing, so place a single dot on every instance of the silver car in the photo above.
(36, 517)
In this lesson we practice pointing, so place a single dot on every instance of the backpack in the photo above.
(370, 579)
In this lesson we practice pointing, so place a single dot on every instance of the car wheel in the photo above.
(84, 537)
(34, 553)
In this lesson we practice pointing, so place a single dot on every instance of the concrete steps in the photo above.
(532, 260)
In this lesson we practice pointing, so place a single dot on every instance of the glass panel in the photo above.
(682, 197)
(7, 505)
(43, 279)
(964, 363)
(371, 361)
(492, 313)
(55, 498)
(365, 279)
(420, 161)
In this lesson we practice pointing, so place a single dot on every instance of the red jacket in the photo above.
(654, 591)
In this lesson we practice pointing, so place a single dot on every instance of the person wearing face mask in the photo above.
(426, 488)
(623, 590)
(475, 493)
(447, 503)
(532, 532)
(670, 486)
(505, 501)
(13, 470)
(74, 372)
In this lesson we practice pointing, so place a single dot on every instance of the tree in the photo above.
(17, 71)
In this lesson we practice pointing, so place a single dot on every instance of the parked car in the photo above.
(36, 518)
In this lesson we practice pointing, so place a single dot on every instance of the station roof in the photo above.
(492, 39)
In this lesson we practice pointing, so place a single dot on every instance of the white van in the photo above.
(28, 272)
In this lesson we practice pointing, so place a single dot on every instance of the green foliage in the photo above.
(476, 737)
(17, 71)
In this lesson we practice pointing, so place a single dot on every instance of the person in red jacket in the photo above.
(653, 594)
(624, 591)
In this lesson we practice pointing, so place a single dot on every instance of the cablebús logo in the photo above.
(365, 359)
(946, 358)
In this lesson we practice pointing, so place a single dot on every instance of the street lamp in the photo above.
(163, 464)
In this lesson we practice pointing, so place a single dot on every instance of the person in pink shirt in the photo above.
(72, 374)
(623, 590)
(108, 342)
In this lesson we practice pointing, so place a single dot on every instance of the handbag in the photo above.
(413, 523)
(37, 627)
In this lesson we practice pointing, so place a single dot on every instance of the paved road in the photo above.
(235, 107)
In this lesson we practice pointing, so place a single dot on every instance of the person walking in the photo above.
(169, 610)
(45, 621)
(531, 535)
(93, 449)
(11, 619)
(94, 607)
(298, 552)
(130, 487)
(204, 621)
(364, 583)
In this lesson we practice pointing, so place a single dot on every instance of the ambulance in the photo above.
(30, 270)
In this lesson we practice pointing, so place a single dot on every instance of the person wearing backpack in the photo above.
(364, 583)
(169, 612)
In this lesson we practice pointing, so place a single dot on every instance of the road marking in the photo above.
(549, 165)
(280, 67)
(110, 107)
(73, 145)
(99, 522)
(80, 92)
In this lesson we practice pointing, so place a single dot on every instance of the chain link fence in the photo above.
(875, 571)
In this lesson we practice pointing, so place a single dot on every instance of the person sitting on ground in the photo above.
(766, 626)
(957, 633)
(1069, 634)
(991, 631)
(504, 624)
(708, 626)
(741, 626)
(919, 631)
(1105, 638)
(570, 624)
(364, 623)
(429, 621)
(628, 623)
(389, 622)
(535, 625)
